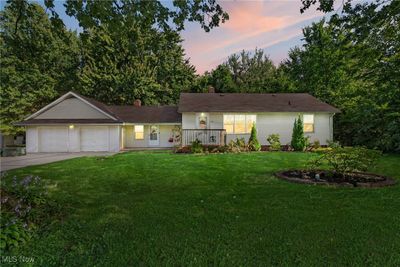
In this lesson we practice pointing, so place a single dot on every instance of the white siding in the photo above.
(72, 108)
(270, 123)
(189, 120)
(130, 141)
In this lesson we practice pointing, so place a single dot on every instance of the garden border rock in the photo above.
(387, 182)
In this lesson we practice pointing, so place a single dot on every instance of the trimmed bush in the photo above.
(196, 146)
(238, 145)
(274, 141)
(253, 144)
(347, 159)
(299, 142)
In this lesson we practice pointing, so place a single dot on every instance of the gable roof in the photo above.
(91, 102)
(115, 114)
(147, 114)
(238, 102)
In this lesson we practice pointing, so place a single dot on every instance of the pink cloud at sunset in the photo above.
(252, 24)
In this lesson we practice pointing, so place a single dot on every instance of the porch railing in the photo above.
(206, 136)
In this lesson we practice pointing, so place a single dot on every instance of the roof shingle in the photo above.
(147, 114)
(238, 102)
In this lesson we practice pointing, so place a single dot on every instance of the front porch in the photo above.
(149, 136)
(205, 136)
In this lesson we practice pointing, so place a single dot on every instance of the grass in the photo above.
(157, 208)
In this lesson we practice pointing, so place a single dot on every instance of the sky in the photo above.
(272, 25)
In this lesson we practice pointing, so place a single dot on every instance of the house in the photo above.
(74, 123)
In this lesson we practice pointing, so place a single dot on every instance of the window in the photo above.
(139, 132)
(238, 124)
(308, 123)
(203, 121)
(229, 122)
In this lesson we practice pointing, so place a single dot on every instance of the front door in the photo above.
(154, 138)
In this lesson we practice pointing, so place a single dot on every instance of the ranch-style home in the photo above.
(75, 123)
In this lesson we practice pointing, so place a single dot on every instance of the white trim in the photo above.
(62, 98)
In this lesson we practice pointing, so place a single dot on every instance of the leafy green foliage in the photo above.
(347, 159)
(37, 61)
(298, 142)
(133, 63)
(238, 145)
(333, 144)
(117, 14)
(316, 144)
(274, 141)
(253, 143)
(352, 62)
(244, 72)
(196, 146)
(24, 207)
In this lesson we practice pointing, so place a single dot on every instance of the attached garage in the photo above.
(73, 138)
(73, 123)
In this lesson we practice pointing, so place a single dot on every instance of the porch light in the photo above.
(71, 126)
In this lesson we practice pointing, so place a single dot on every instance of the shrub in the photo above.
(196, 146)
(333, 144)
(253, 144)
(316, 144)
(24, 206)
(238, 145)
(298, 142)
(347, 159)
(275, 142)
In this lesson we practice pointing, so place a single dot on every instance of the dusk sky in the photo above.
(275, 26)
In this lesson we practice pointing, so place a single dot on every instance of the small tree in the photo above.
(298, 140)
(274, 141)
(254, 145)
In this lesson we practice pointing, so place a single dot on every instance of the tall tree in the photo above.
(116, 13)
(37, 61)
(132, 49)
(246, 72)
(133, 63)
(352, 62)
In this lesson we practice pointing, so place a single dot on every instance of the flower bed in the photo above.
(350, 179)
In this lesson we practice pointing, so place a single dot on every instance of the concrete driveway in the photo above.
(9, 163)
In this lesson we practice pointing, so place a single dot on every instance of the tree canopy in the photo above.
(37, 62)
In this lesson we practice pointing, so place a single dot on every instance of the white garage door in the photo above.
(94, 138)
(53, 139)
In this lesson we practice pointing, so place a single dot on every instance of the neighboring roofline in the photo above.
(62, 98)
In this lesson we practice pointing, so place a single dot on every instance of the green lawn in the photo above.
(158, 208)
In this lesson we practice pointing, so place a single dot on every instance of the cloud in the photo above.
(252, 24)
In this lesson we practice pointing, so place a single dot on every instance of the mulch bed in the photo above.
(352, 179)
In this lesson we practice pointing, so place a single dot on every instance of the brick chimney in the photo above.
(137, 103)
(211, 89)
